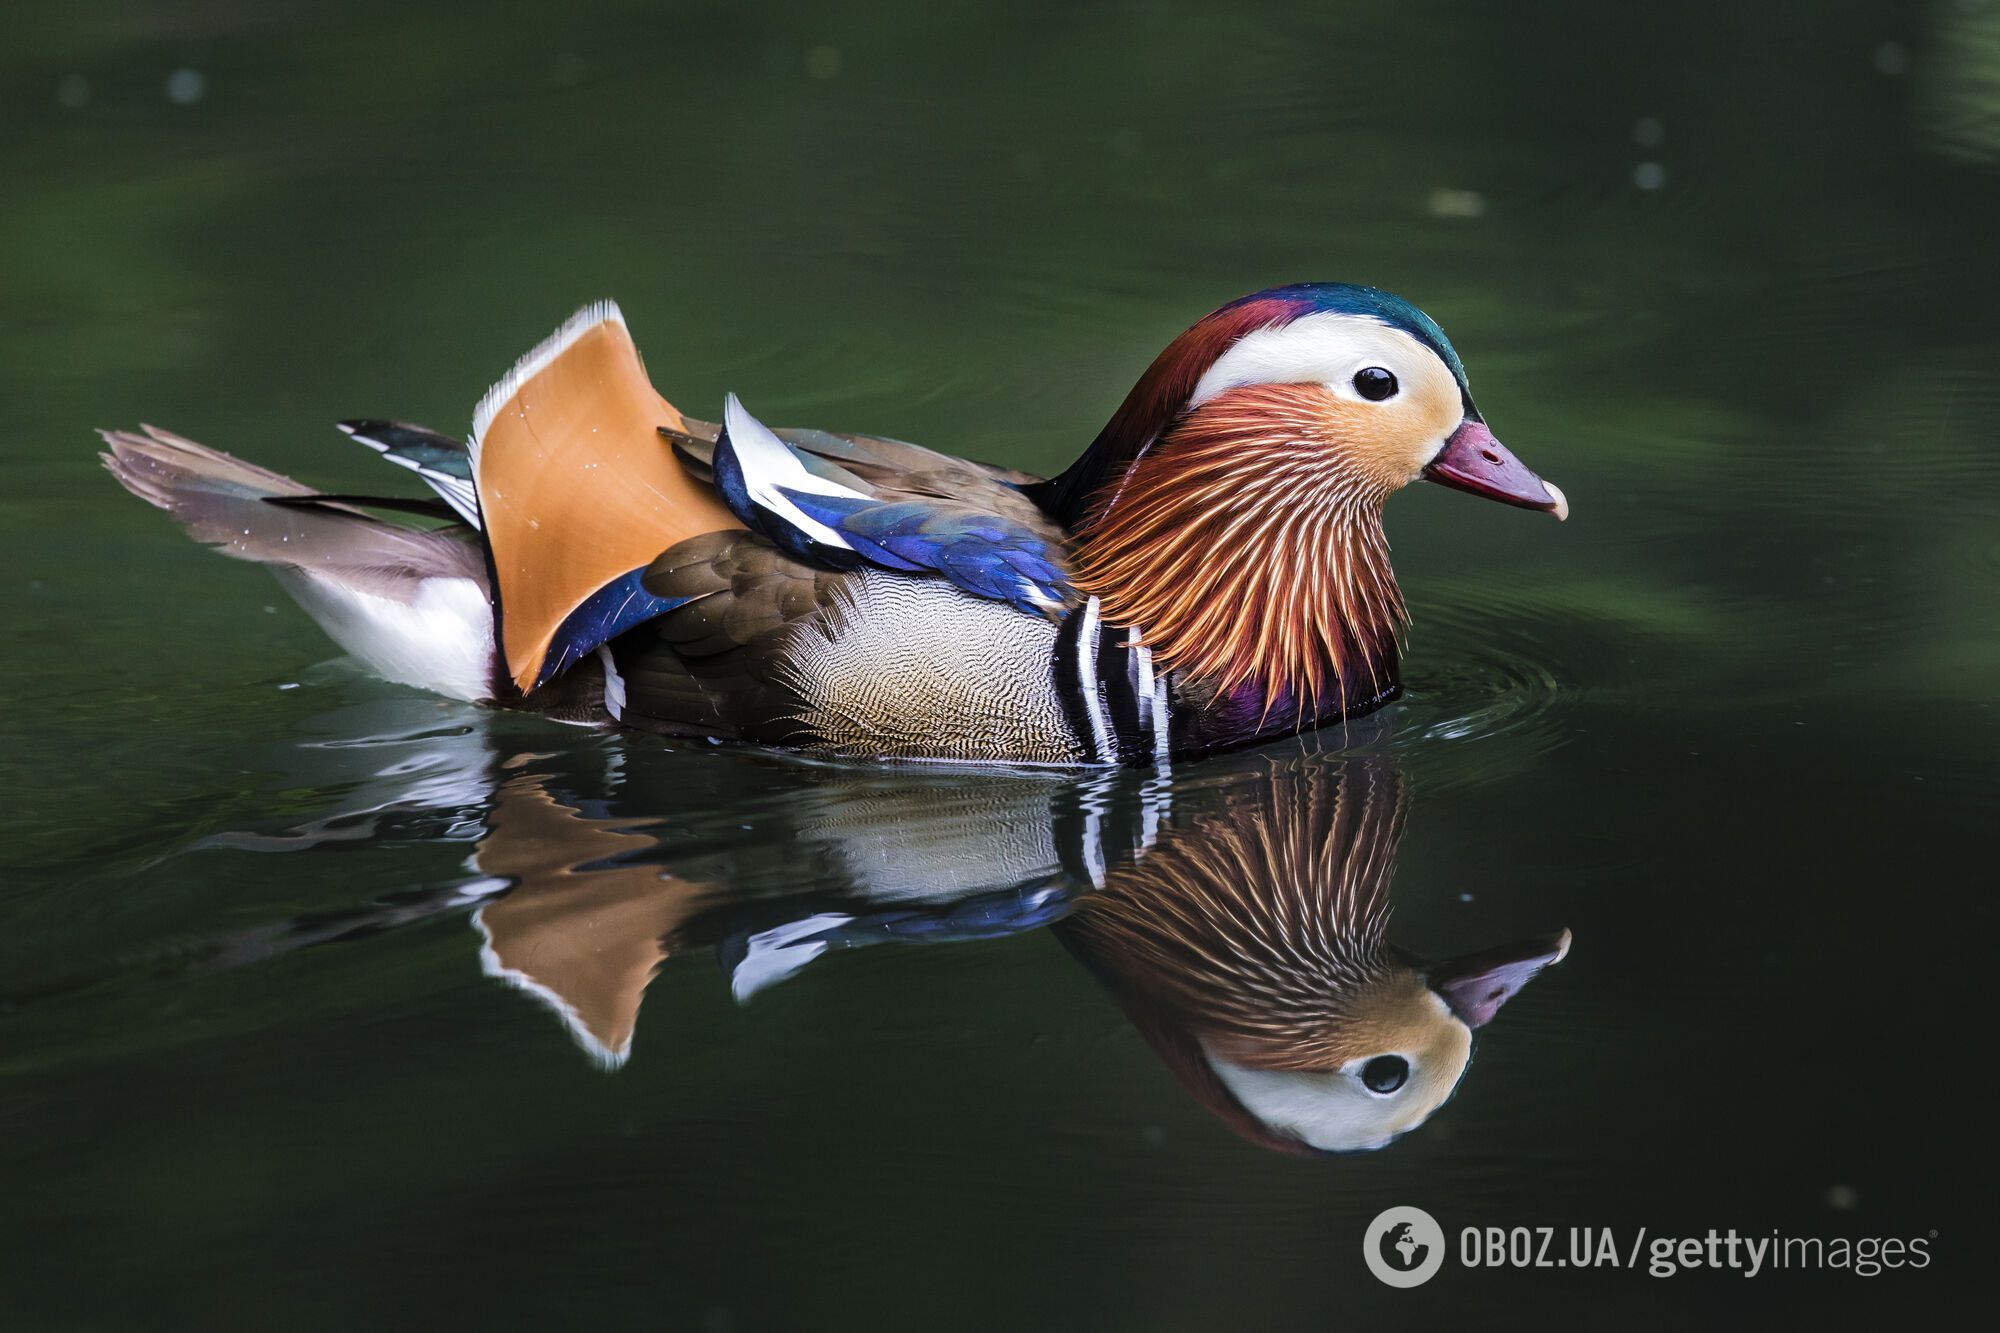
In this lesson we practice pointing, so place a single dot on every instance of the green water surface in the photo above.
(1728, 273)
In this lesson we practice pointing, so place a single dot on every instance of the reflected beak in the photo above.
(1476, 985)
(1472, 460)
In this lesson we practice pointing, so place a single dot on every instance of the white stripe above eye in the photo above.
(768, 463)
(1322, 348)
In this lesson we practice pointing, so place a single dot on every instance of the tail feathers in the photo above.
(411, 604)
(422, 506)
(443, 463)
(196, 484)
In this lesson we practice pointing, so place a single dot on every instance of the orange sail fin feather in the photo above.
(1249, 547)
(575, 488)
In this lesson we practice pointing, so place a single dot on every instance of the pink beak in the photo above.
(1472, 460)
(1476, 985)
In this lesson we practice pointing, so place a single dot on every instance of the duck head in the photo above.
(1249, 950)
(1231, 510)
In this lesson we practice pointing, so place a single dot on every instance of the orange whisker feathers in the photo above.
(1247, 546)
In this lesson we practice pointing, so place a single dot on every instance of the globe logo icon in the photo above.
(1404, 1247)
(1403, 1237)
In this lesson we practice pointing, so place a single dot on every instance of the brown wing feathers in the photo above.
(707, 668)
(890, 469)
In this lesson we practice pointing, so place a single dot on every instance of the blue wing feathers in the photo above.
(984, 553)
(603, 616)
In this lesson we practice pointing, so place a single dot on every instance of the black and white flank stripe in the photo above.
(1112, 697)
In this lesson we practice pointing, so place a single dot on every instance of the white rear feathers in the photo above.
(411, 604)
(441, 639)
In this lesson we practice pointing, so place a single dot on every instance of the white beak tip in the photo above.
(1561, 511)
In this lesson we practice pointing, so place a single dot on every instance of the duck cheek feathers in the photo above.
(1386, 443)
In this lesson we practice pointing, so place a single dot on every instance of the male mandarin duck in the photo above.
(1210, 572)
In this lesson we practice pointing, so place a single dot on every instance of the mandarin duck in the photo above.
(1210, 572)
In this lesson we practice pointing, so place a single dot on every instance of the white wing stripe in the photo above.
(768, 463)
(614, 685)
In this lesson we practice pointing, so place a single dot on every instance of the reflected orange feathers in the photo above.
(585, 938)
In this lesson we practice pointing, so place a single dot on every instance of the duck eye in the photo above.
(1374, 384)
(1385, 1073)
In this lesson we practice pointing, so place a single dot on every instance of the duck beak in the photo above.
(1472, 460)
(1476, 985)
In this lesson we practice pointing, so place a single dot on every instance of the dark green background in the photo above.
(1732, 724)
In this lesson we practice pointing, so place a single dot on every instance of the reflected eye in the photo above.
(1385, 1073)
(1374, 384)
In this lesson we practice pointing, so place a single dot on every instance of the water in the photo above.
(1725, 274)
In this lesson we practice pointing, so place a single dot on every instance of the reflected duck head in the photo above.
(1387, 1061)
(1249, 948)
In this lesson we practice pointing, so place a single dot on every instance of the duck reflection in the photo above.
(1250, 949)
(1240, 918)
(585, 909)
